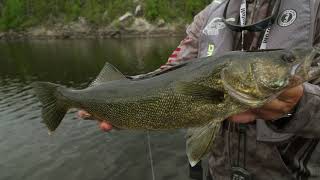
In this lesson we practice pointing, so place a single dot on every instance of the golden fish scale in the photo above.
(168, 109)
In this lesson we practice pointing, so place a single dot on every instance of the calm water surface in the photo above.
(78, 150)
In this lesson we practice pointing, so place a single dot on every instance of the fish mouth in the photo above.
(308, 70)
(314, 71)
(295, 69)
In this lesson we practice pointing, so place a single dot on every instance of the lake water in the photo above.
(78, 149)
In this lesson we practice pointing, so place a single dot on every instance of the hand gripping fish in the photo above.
(197, 95)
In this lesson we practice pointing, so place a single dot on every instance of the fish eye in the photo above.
(288, 58)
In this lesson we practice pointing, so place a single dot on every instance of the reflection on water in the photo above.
(78, 150)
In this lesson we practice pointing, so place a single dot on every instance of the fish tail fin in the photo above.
(54, 106)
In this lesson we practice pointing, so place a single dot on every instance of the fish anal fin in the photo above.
(197, 90)
(108, 73)
(200, 140)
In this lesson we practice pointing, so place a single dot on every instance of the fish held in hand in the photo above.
(197, 95)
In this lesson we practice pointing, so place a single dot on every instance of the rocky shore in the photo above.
(127, 25)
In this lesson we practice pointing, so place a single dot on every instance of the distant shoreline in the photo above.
(24, 35)
(80, 29)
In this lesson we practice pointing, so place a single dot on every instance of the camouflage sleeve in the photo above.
(188, 47)
(306, 118)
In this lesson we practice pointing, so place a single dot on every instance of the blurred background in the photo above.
(91, 18)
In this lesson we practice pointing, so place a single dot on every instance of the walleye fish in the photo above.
(197, 95)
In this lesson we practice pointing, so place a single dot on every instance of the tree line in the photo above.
(20, 14)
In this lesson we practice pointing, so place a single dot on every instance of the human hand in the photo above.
(273, 110)
(103, 124)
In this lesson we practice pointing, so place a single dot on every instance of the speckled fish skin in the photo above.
(192, 95)
(153, 103)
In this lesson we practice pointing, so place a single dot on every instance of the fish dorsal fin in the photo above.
(197, 90)
(108, 73)
(200, 140)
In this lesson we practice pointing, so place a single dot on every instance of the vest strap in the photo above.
(256, 27)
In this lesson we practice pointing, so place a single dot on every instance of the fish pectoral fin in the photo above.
(197, 90)
(108, 73)
(199, 141)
